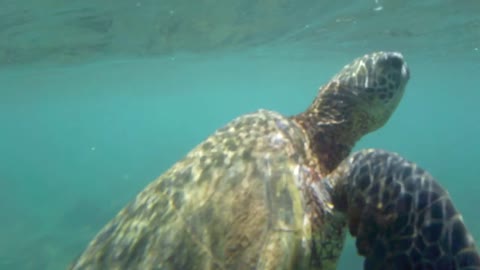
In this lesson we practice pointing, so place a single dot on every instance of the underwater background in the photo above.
(98, 99)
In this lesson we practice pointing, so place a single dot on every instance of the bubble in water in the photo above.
(378, 6)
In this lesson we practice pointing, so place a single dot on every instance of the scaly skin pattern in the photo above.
(400, 215)
(356, 101)
(244, 198)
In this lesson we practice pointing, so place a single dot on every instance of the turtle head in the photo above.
(368, 90)
(359, 99)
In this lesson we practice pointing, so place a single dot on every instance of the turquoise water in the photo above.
(78, 141)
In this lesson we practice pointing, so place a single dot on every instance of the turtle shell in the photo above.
(236, 201)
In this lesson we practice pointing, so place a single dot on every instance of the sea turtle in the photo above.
(255, 195)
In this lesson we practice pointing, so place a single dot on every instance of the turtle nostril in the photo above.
(395, 60)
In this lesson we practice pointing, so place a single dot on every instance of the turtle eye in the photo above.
(395, 61)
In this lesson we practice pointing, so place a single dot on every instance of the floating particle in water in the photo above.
(378, 6)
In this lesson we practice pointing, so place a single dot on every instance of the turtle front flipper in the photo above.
(400, 215)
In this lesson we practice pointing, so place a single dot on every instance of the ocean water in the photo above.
(80, 138)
